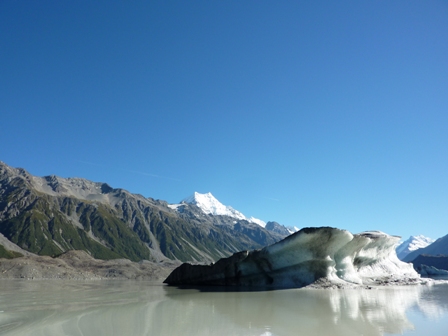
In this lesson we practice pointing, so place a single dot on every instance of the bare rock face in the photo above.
(52, 215)
(326, 256)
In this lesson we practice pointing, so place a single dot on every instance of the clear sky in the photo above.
(309, 113)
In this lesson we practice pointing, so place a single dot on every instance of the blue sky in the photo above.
(309, 113)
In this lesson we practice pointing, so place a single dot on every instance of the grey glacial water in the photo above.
(144, 308)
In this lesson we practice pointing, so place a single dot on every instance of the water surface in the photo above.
(144, 308)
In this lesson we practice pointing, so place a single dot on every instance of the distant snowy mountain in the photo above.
(292, 229)
(439, 247)
(412, 244)
(211, 206)
(257, 221)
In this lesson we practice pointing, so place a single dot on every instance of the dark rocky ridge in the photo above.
(438, 261)
(276, 227)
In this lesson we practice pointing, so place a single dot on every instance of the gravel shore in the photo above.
(78, 265)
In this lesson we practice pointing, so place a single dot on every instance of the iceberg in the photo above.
(322, 257)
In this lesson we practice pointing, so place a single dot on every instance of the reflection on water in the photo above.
(141, 308)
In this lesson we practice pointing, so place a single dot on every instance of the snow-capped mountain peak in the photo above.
(257, 221)
(412, 244)
(210, 205)
(292, 229)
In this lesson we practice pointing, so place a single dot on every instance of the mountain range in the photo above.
(439, 247)
(412, 244)
(432, 259)
(51, 215)
(211, 206)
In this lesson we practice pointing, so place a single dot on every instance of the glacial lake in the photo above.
(143, 308)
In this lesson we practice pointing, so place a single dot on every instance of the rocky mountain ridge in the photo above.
(51, 215)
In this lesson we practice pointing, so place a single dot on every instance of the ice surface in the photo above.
(328, 256)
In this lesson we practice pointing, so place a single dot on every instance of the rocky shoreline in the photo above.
(78, 265)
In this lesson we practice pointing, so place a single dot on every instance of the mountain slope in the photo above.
(276, 227)
(439, 247)
(412, 244)
(50, 215)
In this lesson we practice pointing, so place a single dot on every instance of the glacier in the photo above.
(322, 257)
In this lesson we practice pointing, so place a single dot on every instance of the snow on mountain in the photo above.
(257, 221)
(412, 244)
(439, 247)
(292, 229)
(211, 206)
